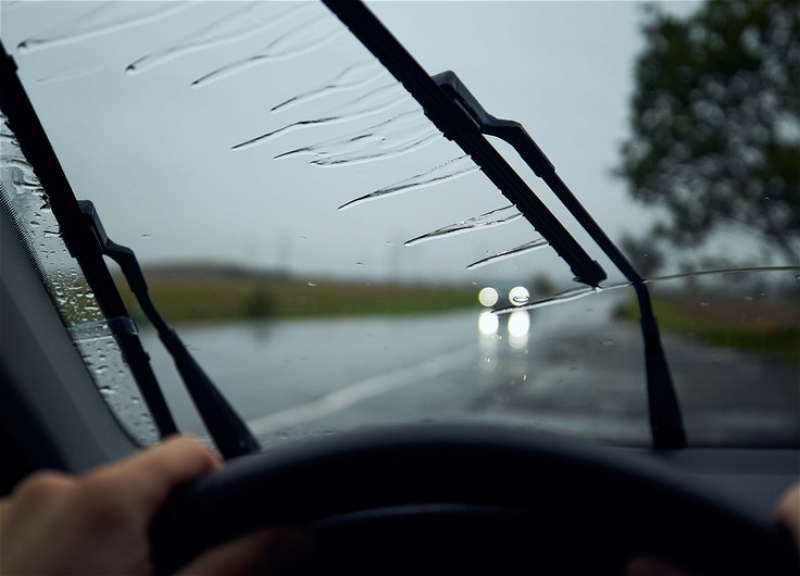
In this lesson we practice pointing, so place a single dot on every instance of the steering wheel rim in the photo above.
(634, 499)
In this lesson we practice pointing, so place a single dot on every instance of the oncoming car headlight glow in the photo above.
(488, 323)
(519, 323)
(488, 297)
(518, 296)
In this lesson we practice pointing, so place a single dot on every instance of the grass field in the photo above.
(766, 326)
(240, 297)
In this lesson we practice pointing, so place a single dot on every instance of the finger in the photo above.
(40, 491)
(150, 475)
(268, 552)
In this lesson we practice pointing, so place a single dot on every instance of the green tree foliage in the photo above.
(715, 128)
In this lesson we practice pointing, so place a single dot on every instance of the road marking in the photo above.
(363, 390)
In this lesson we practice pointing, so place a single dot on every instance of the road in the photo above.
(573, 371)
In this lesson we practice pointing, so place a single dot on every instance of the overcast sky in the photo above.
(155, 153)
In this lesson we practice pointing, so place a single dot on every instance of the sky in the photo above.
(145, 103)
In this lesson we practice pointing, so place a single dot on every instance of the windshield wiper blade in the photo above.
(36, 148)
(457, 125)
(665, 415)
(229, 432)
(88, 244)
(461, 118)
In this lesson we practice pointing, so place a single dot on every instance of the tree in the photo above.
(715, 127)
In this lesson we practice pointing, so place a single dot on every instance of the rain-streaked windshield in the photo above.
(333, 261)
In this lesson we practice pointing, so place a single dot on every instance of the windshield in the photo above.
(334, 261)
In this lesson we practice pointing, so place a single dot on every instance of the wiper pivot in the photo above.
(509, 130)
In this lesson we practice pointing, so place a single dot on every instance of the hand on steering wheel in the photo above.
(462, 479)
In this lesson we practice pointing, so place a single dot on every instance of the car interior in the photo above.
(423, 497)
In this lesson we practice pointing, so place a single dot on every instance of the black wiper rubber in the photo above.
(33, 141)
(461, 118)
(229, 432)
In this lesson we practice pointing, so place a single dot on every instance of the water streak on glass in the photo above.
(725, 271)
(68, 74)
(500, 256)
(306, 37)
(346, 144)
(253, 18)
(383, 151)
(559, 298)
(374, 102)
(487, 220)
(29, 208)
(445, 172)
(400, 134)
(105, 18)
(100, 353)
(354, 76)
(576, 293)
(355, 141)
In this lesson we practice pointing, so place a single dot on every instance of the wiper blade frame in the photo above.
(86, 240)
(666, 421)
(456, 124)
(460, 117)
(229, 432)
(36, 147)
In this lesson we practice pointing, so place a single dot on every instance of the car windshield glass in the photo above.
(334, 261)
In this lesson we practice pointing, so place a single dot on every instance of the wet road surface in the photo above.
(575, 371)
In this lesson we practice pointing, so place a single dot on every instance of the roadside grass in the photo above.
(764, 326)
(252, 298)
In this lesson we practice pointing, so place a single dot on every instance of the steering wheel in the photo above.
(470, 498)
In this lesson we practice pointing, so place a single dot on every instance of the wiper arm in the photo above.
(229, 432)
(459, 116)
(87, 244)
(456, 125)
(665, 415)
(36, 148)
